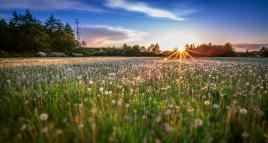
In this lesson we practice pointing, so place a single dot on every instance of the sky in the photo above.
(170, 23)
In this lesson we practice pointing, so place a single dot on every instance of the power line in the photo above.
(77, 30)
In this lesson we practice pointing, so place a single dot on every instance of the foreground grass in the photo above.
(135, 101)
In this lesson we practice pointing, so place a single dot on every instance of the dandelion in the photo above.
(143, 117)
(127, 117)
(59, 131)
(93, 125)
(158, 140)
(90, 82)
(113, 101)
(81, 126)
(168, 112)
(245, 134)
(23, 127)
(106, 92)
(44, 130)
(26, 102)
(243, 111)
(207, 103)
(198, 122)
(43, 116)
(158, 119)
(101, 89)
(88, 89)
(167, 127)
(93, 110)
(190, 110)
(127, 105)
(119, 102)
(216, 106)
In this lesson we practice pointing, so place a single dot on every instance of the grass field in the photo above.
(134, 100)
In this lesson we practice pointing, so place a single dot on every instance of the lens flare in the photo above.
(181, 49)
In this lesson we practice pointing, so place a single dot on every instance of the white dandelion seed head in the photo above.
(23, 127)
(88, 89)
(168, 112)
(59, 131)
(43, 116)
(198, 122)
(106, 92)
(44, 130)
(207, 103)
(216, 106)
(167, 127)
(243, 111)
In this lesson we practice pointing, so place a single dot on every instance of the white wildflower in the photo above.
(168, 112)
(207, 103)
(168, 128)
(59, 131)
(198, 122)
(243, 111)
(216, 106)
(23, 127)
(43, 116)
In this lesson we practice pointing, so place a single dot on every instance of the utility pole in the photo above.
(77, 30)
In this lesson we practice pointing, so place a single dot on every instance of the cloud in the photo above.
(143, 8)
(105, 35)
(50, 4)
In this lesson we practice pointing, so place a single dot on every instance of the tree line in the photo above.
(226, 50)
(210, 50)
(26, 34)
(125, 50)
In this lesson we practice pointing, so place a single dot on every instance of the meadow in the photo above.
(134, 100)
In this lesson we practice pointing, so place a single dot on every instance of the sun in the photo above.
(181, 49)
(178, 53)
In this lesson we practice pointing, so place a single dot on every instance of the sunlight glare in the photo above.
(181, 49)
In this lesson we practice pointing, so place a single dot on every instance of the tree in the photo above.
(28, 29)
(84, 43)
(156, 49)
(142, 49)
(25, 34)
(229, 49)
(61, 36)
(264, 52)
(5, 37)
(52, 24)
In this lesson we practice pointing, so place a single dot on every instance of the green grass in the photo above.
(134, 100)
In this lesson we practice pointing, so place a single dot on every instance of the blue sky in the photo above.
(167, 22)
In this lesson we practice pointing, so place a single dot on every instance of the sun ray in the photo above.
(189, 55)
